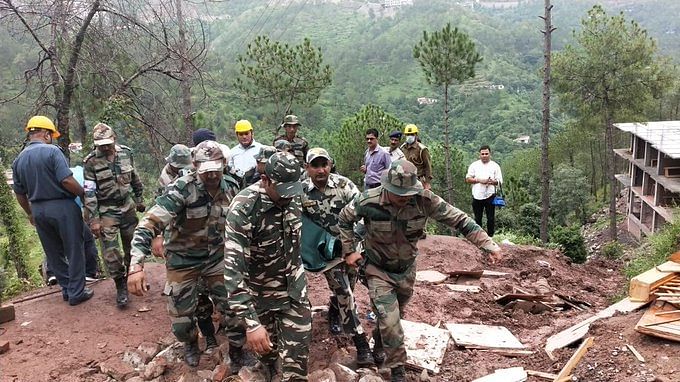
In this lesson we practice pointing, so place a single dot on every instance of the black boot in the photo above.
(121, 292)
(398, 374)
(191, 353)
(378, 351)
(364, 357)
(334, 324)
(239, 358)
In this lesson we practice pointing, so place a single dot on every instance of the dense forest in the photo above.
(132, 69)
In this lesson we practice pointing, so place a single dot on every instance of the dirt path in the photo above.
(51, 341)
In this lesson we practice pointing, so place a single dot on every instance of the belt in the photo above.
(113, 203)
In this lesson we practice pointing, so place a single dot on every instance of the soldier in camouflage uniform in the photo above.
(263, 269)
(177, 162)
(299, 145)
(325, 196)
(395, 214)
(263, 156)
(193, 209)
(113, 191)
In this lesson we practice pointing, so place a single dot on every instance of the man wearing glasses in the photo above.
(376, 160)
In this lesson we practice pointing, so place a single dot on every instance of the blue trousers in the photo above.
(60, 228)
(91, 255)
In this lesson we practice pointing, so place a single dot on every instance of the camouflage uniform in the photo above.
(298, 145)
(194, 244)
(323, 207)
(418, 154)
(178, 162)
(263, 270)
(112, 192)
(390, 244)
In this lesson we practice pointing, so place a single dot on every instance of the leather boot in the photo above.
(239, 358)
(191, 353)
(378, 351)
(210, 344)
(364, 357)
(398, 374)
(121, 292)
(334, 324)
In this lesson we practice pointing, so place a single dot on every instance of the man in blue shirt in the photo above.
(376, 160)
(45, 188)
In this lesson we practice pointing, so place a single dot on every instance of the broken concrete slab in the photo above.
(4, 347)
(512, 374)
(323, 375)
(463, 288)
(425, 345)
(432, 277)
(475, 336)
(7, 313)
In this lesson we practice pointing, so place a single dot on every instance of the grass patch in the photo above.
(661, 245)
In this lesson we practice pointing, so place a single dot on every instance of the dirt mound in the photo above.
(51, 341)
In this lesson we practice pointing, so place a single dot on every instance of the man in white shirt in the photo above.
(242, 161)
(395, 142)
(484, 175)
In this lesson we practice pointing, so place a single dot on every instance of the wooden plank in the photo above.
(474, 274)
(512, 374)
(507, 352)
(667, 312)
(658, 326)
(430, 276)
(506, 298)
(575, 358)
(463, 288)
(541, 374)
(494, 274)
(669, 266)
(483, 336)
(7, 313)
(670, 288)
(636, 353)
(641, 286)
(578, 331)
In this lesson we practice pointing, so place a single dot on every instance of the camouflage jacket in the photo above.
(392, 233)
(110, 185)
(324, 207)
(419, 155)
(299, 147)
(263, 269)
(168, 176)
(194, 221)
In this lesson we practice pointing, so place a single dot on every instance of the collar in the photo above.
(201, 186)
(331, 183)
(377, 147)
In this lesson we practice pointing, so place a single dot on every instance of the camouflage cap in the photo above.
(103, 134)
(265, 153)
(291, 120)
(179, 157)
(283, 145)
(209, 157)
(402, 178)
(317, 152)
(284, 172)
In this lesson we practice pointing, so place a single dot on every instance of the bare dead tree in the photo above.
(545, 132)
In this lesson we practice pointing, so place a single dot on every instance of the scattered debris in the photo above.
(573, 361)
(144, 309)
(513, 374)
(664, 326)
(432, 277)
(6, 313)
(541, 374)
(643, 285)
(483, 337)
(635, 353)
(506, 298)
(463, 288)
(25, 324)
(425, 345)
(4, 347)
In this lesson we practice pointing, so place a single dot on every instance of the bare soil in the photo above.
(51, 341)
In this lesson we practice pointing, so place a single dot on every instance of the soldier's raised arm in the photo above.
(445, 213)
(238, 235)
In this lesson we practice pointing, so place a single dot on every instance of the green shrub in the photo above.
(529, 219)
(661, 245)
(571, 241)
(613, 250)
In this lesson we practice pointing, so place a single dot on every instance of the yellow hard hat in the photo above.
(411, 129)
(243, 126)
(42, 122)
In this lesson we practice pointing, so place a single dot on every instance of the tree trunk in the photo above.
(185, 76)
(609, 149)
(593, 171)
(447, 147)
(64, 105)
(545, 137)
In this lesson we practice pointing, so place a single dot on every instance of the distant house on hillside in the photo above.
(426, 101)
(522, 139)
(653, 176)
(396, 3)
(500, 4)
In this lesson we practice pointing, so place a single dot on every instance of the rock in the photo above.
(190, 376)
(205, 375)
(371, 378)
(136, 358)
(341, 356)
(4, 347)
(155, 368)
(323, 375)
(252, 373)
(220, 373)
(149, 348)
(167, 340)
(343, 373)
(424, 376)
(135, 379)
(115, 368)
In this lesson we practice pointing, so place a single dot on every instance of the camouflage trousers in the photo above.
(122, 221)
(290, 330)
(341, 280)
(182, 289)
(389, 293)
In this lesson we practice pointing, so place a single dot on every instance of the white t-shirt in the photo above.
(482, 171)
(243, 159)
